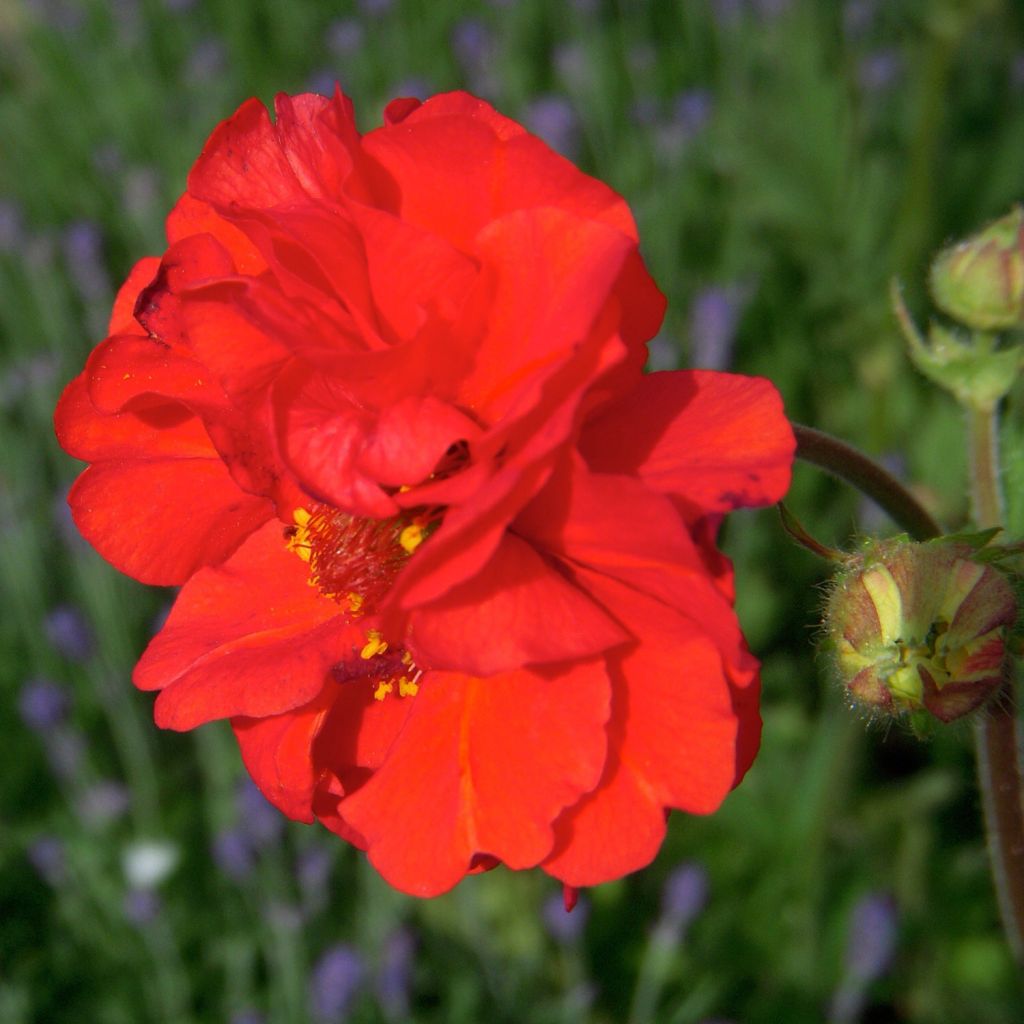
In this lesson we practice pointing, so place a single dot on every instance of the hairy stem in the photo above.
(996, 735)
(867, 476)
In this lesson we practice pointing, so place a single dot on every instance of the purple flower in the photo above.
(375, 8)
(46, 854)
(43, 704)
(345, 37)
(394, 974)
(69, 632)
(872, 939)
(83, 254)
(564, 926)
(714, 318)
(870, 948)
(858, 17)
(880, 70)
(415, 87)
(337, 978)
(206, 61)
(692, 110)
(472, 43)
(65, 750)
(662, 353)
(141, 906)
(248, 1017)
(727, 12)
(554, 119)
(1016, 82)
(11, 226)
(233, 854)
(767, 10)
(685, 895)
(261, 822)
(572, 62)
(313, 866)
(140, 190)
(103, 802)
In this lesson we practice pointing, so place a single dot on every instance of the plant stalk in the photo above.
(997, 734)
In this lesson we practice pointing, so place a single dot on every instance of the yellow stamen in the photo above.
(375, 644)
(382, 691)
(407, 687)
(411, 537)
(299, 540)
(355, 602)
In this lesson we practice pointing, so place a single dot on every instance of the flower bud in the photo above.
(921, 626)
(980, 281)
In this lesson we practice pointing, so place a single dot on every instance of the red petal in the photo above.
(122, 318)
(250, 162)
(159, 520)
(277, 752)
(248, 638)
(719, 441)
(192, 217)
(454, 166)
(680, 737)
(518, 611)
(618, 526)
(482, 766)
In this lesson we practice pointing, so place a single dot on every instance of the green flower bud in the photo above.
(921, 626)
(980, 281)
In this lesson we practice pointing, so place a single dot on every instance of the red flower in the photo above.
(447, 554)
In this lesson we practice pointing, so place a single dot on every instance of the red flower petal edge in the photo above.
(446, 554)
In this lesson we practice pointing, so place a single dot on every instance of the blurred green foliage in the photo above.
(784, 159)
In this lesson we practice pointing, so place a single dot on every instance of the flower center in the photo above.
(352, 560)
(355, 561)
(378, 664)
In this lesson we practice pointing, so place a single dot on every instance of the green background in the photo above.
(784, 161)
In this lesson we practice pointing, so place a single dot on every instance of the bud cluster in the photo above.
(921, 626)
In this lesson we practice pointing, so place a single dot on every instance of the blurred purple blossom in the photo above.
(565, 927)
(770, 9)
(233, 854)
(880, 70)
(103, 802)
(870, 948)
(692, 110)
(554, 119)
(858, 17)
(1016, 82)
(335, 981)
(140, 190)
(573, 65)
(141, 906)
(247, 1017)
(662, 352)
(65, 750)
(43, 704)
(644, 110)
(727, 12)
(472, 44)
(344, 36)
(207, 59)
(684, 897)
(47, 856)
(69, 632)
(394, 974)
(83, 254)
(375, 8)
(313, 866)
(714, 318)
(872, 938)
(179, 6)
(418, 88)
(260, 820)
(12, 229)
(641, 57)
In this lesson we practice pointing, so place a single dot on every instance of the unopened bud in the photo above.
(980, 281)
(921, 626)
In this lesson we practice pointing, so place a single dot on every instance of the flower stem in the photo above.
(997, 738)
(867, 476)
